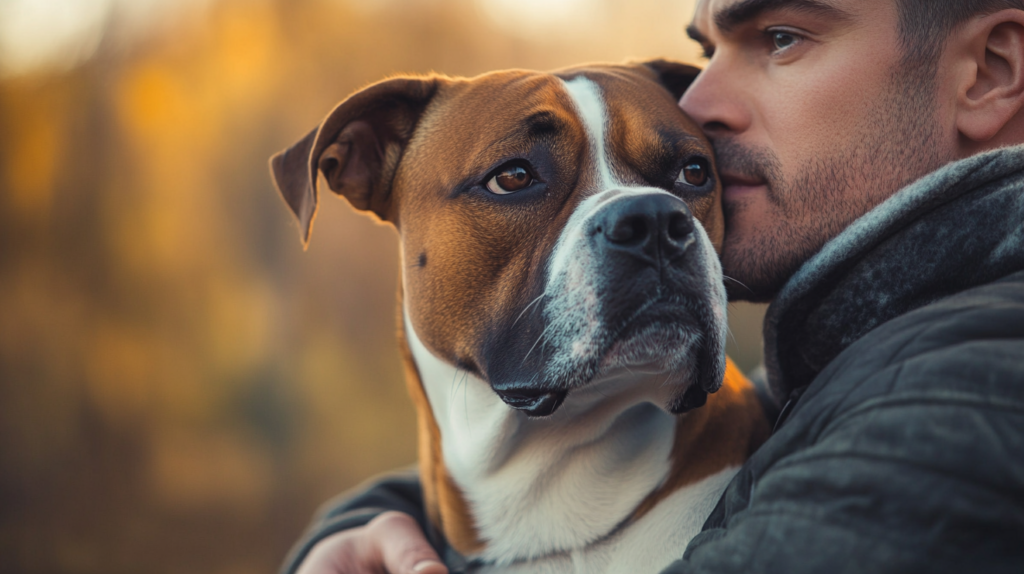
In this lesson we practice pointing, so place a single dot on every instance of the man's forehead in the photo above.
(724, 15)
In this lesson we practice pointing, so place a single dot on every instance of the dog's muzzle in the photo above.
(639, 272)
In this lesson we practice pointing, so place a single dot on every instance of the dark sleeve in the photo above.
(925, 475)
(396, 491)
(759, 378)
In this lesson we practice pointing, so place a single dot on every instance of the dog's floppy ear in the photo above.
(357, 148)
(675, 76)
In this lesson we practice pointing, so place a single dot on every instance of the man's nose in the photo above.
(716, 100)
(654, 228)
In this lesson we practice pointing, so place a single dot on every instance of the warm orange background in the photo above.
(180, 384)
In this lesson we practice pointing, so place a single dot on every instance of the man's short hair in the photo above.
(925, 24)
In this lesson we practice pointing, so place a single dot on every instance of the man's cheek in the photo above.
(747, 216)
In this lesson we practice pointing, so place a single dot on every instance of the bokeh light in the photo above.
(539, 18)
(62, 33)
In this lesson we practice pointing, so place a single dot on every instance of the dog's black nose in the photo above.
(652, 226)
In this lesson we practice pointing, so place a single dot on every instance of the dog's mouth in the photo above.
(534, 402)
(660, 341)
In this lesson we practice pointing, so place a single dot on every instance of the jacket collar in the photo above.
(959, 227)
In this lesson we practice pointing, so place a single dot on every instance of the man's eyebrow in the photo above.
(742, 12)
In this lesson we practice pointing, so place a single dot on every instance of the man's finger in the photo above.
(342, 553)
(403, 546)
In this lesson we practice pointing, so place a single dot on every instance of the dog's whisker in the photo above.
(542, 334)
(465, 397)
(534, 378)
(738, 282)
(729, 333)
(454, 385)
(532, 303)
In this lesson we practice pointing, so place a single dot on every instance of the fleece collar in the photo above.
(959, 227)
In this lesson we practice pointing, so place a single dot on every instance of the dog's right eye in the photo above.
(695, 172)
(509, 179)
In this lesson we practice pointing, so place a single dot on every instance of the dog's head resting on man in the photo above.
(562, 299)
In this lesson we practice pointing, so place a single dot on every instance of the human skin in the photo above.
(816, 119)
(390, 543)
(810, 137)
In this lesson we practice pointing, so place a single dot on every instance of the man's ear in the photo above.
(991, 93)
(357, 148)
(675, 76)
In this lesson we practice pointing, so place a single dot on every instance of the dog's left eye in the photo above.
(695, 172)
(509, 179)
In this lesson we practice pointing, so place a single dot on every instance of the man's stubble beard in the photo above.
(896, 145)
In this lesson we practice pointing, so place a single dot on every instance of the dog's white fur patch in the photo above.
(648, 545)
(538, 487)
(590, 105)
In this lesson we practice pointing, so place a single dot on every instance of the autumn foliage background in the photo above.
(180, 384)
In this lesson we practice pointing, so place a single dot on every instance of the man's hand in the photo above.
(392, 543)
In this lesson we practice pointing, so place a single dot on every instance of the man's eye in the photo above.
(783, 40)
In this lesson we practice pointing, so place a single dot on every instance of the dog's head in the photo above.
(556, 227)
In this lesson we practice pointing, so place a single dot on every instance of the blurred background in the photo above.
(180, 384)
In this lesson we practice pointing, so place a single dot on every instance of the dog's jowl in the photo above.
(562, 303)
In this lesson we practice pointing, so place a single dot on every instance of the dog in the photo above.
(563, 314)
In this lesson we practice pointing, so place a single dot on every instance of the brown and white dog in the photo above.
(562, 305)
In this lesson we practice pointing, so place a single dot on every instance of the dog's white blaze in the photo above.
(586, 96)
(590, 105)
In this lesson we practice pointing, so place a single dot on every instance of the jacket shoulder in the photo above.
(970, 344)
(902, 456)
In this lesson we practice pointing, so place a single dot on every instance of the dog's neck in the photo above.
(507, 487)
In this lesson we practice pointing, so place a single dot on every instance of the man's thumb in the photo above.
(403, 546)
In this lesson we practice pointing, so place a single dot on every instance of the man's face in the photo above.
(815, 120)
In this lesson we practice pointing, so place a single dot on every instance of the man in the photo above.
(895, 337)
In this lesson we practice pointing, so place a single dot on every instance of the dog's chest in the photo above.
(648, 545)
